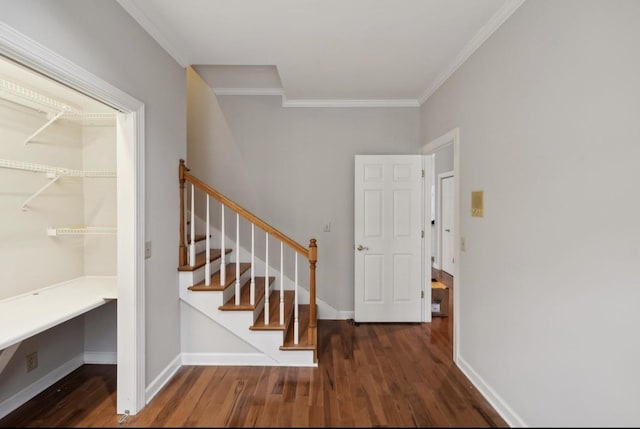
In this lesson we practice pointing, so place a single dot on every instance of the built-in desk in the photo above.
(26, 315)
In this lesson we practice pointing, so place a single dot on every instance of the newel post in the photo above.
(182, 252)
(312, 332)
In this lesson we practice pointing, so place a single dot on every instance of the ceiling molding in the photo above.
(317, 102)
(481, 36)
(248, 91)
(350, 103)
(132, 8)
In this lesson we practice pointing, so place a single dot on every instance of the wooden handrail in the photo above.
(246, 214)
(311, 253)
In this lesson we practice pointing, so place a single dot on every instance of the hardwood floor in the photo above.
(369, 375)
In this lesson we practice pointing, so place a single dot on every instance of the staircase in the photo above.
(242, 291)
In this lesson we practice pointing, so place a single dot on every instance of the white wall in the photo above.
(103, 39)
(548, 113)
(293, 167)
(56, 349)
(100, 197)
(30, 258)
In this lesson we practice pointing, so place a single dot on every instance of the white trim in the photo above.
(499, 404)
(427, 182)
(148, 25)
(286, 102)
(163, 378)
(227, 359)
(498, 18)
(131, 360)
(350, 103)
(452, 137)
(237, 359)
(101, 358)
(439, 215)
(248, 91)
(40, 385)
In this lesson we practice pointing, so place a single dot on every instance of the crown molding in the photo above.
(349, 103)
(249, 91)
(303, 102)
(481, 36)
(132, 8)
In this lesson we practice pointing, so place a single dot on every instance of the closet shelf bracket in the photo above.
(52, 118)
(52, 179)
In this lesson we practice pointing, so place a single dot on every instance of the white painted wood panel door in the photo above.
(388, 238)
(448, 233)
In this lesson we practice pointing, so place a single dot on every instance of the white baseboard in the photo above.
(162, 379)
(101, 358)
(227, 359)
(510, 416)
(40, 385)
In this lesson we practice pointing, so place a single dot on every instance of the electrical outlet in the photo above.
(32, 361)
(147, 249)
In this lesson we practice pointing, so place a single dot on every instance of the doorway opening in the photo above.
(127, 215)
(442, 206)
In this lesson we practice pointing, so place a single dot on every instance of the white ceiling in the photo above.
(393, 52)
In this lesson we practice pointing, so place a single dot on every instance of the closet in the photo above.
(58, 240)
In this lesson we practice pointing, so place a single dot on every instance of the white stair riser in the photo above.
(231, 290)
(190, 278)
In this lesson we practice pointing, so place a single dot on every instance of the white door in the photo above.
(447, 232)
(388, 238)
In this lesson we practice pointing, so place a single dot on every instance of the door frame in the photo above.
(452, 137)
(130, 190)
(439, 214)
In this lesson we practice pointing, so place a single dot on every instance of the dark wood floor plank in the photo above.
(368, 375)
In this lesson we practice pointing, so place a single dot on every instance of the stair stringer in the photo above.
(238, 323)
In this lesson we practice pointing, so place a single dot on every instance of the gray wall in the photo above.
(293, 167)
(103, 39)
(548, 113)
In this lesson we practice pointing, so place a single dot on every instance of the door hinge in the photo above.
(422, 234)
(422, 294)
(423, 172)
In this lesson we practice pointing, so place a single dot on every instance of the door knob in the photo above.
(361, 247)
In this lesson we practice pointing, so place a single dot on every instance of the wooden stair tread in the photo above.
(274, 316)
(199, 237)
(303, 325)
(215, 278)
(201, 259)
(245, 296)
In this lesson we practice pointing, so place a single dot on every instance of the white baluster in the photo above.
(207, 265)
(192, 241)
(266, 281)
(237, 259)
(223, 257)
(253, 278)
(281, 283)
(296, 335)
